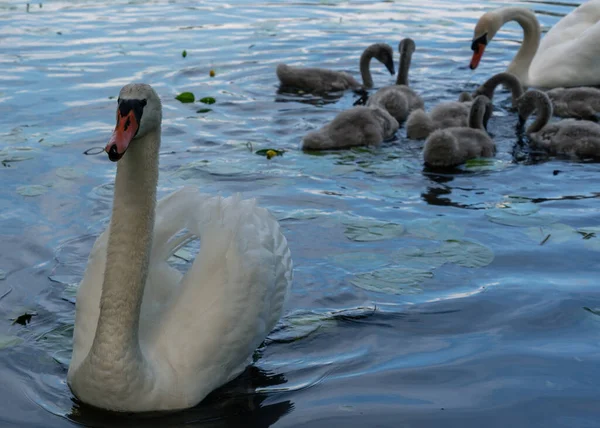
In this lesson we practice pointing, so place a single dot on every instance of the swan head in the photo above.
(139, 112)
(485, 30)
(384, 53)
(406, 46)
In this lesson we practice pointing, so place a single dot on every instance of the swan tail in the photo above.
(442, 149)
(419, 125)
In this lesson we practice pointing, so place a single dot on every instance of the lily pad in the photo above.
(32, 190)
(69, 173)
(430, 258)
(372, 230)
(552, 233)
(186, 97)
(519, 212)
(9, 341)
(396, 280)
(435, 228)
(208, 100)
(466, 253)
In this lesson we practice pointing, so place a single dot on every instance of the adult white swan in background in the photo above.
(567, 56)
(147, 337)
(322, 80)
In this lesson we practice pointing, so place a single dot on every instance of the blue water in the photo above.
(465, 299)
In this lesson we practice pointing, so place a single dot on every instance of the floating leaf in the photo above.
(595, 311)
(69, 173)
(558, 233)
(9, 341)
(269, 153)
(32, 190)
(519, 212)
(372, 230)
(212, 73)
(420, 258)
(466, 253)
(2, 275)
(186, 97)
(397, 280)
(435, 228)
(204, 110)
(208, 100)
(184, 53)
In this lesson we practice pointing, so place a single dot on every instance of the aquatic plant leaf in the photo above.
(203, 110)
(420, 258)
(595, 311)
(435, 228)
(69, 173)
(519, 212)
(269, 153)
(208, 100)
(2, 275)
(372, 230)
(466, 253)
(9, 341)
(591, 237)
(552, 233)
(186, 97)
(358, 260)
(32, 190)
(184, 53)
(396, 280)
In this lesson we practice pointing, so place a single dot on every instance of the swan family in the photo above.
(149, 338)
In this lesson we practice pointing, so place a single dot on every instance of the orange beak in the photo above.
(124, 132)
(477, 54)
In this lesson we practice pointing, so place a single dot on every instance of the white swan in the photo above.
(571, 137)
(358, 126)
(399, 99)
(322, 80)
(567, 55)
(454, 146)
(147, 338)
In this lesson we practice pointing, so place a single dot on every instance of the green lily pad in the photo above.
(208, 100)
(396, 280)
(466, 253)
(186, 97)
(366, 230)
(9, 341)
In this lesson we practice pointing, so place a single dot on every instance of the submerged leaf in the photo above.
(467, 253)
(366, 230)
(395, 280)
(520, 212)
(9, 341)
(435, 228)
(2, 275)
(32, 190)
(186, 97)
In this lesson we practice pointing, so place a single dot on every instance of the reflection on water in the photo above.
(423, 298)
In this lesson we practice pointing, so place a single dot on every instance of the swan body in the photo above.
(580, 103)
(454, 146)
(571, 137)
(421, 124)
(358, 126)
(322, 80)
(565, 57)
(147, 337)
(399, 99)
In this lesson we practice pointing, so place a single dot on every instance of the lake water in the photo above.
(465, 299)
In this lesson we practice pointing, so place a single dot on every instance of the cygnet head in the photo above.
(464, 97)
(139, 112)
(384, 53)
(538, 102)
(406, 46)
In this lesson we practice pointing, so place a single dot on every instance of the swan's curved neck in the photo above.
(507, 79)
(531, 39)
(365, 67)
(404, 67)
(542, 108)
(129, 245)
(477, 112)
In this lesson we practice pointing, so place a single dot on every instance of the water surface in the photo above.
(419, 299)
